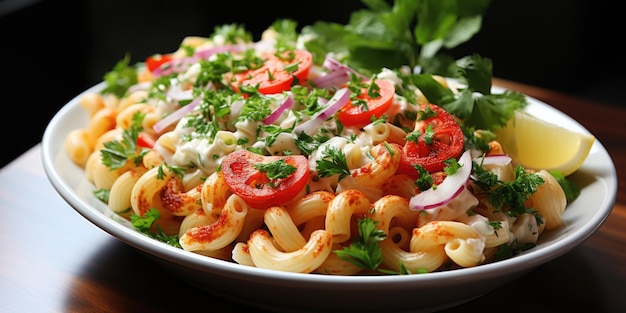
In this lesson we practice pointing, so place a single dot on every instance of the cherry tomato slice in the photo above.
(155, 61)
(145, 140)
(447, 142)
(277, 73)
(356, 116)
(254, 187)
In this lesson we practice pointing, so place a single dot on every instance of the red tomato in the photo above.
(277, 74)
(155, 61)
(351, 115)
(246, 181)
(448, 142)
(145, 140)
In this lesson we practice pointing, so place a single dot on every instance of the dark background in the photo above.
(52, 50)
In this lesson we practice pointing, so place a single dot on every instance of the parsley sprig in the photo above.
(509, 197)
(275, 170)
(120, 78)
(333, 162)
(475, 104)
(403, 32)
(143, 224)
(116, 153)
(365, 251)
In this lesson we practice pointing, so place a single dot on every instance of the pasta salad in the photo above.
(271, 154)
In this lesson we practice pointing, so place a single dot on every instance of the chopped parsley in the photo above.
(144, 225)
(333, 162)
(424, 180)
(256, 108)
(309, 144)
(452, 165)
(509, 197)
(275, 170)
(364, 251)
(116, 153)
(102, 194)
(120, 78)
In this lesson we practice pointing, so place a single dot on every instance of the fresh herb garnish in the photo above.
(510, 196)
(120, 78)
(116, 153)
(333, 162)
(405, 33)
(275, 170)
(364, 251)
(144, 226)
(424, 180)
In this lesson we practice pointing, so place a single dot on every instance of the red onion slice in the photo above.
(498, 164)
(333, 65)
(451, 187)
(338, 100)
(175, 66)
(335, 78)
(159, 126)
(182, 64)
(176, 93)
(287, 104)
(338, 74)
(494, 159)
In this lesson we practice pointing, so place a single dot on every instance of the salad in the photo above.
(333, 149)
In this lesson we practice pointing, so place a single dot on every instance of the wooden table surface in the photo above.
(53, 260)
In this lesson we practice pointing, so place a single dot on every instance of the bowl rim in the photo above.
(527, 260)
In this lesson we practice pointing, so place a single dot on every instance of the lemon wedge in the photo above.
(538, 144)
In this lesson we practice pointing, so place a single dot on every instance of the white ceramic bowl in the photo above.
(283, 291)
